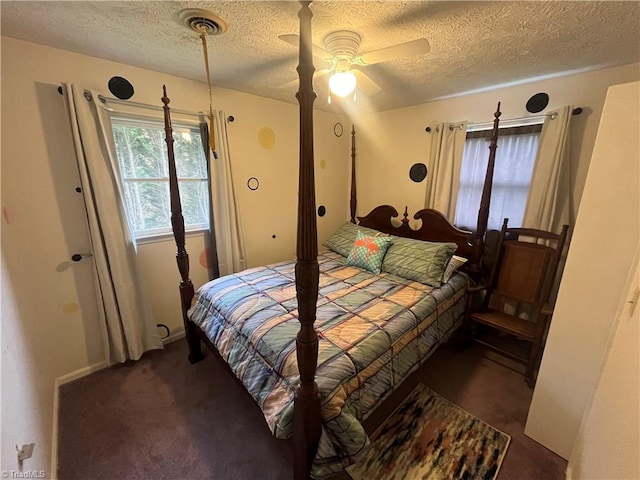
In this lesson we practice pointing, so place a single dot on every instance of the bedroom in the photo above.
(69, 339)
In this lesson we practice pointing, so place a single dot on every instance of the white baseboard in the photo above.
(81, 372)
(173, 337)
(53, 470)
(69, 377)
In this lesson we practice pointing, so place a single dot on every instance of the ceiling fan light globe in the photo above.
(342, 83)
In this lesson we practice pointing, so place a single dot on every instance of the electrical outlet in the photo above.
(25, 452)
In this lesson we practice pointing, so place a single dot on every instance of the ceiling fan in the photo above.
(345, 63)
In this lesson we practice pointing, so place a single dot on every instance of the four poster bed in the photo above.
(358, 333)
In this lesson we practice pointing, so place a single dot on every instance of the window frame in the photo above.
(484, 131)
(133, 120)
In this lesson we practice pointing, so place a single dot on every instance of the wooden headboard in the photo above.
(434, 227)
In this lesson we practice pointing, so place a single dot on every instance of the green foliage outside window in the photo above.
(142, 159)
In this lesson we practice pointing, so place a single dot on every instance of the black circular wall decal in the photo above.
(322, 211)
(337, 129)
(538, 102)
(418, 172)
(121, 88)
(253, 183)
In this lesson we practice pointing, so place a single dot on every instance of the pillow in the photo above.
(368, 251)
(454, 264)
(344, 237)
(417, 260)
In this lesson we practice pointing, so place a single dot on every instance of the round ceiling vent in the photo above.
(200, 20)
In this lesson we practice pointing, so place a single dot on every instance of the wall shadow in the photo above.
(66, 181)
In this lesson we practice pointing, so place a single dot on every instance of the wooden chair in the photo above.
(520, 285)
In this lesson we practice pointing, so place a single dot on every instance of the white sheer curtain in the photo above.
(443, 166)
(549, 204)
(126, 319)
(515, 158)
(227, 226)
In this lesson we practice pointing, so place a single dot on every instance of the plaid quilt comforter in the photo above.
(374, 331)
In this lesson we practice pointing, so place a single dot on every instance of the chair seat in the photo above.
(507, 323)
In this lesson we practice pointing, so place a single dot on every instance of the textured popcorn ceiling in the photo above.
(474, 44)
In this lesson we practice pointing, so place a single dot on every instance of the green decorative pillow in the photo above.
(417, 260)
(368, 252)
(344, 237)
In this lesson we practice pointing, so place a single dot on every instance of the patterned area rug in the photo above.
(427, 437)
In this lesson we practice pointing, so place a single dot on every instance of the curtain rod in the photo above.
(479, 126)
(104, 99)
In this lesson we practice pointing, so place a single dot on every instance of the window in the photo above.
(515, 157)
(142, 158)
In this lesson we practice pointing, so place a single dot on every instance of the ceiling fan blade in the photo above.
(293, 39)
(415, 47)
(317, 74)
(365, 83)
(324, 71)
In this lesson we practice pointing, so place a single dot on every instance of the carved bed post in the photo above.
(306, 421)
(354, 201)
(177, 224)
(483, 212)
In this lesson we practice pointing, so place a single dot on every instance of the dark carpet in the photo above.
(162, 418)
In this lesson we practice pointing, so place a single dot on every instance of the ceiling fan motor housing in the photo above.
(343, 44)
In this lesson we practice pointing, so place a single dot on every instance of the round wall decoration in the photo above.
(253, 183)
(337, 129)
(418, 172)
(267, 138)
(121, 88)
(322, 211)
(538, 102)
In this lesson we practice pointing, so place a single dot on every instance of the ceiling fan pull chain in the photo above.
(212, 137)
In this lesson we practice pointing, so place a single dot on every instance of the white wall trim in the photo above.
(53, 470)
(173, 337)
(81, 372)
(67, 378)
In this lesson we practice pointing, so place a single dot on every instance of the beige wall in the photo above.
(600, 259)
(49, 317)
(390, 142)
